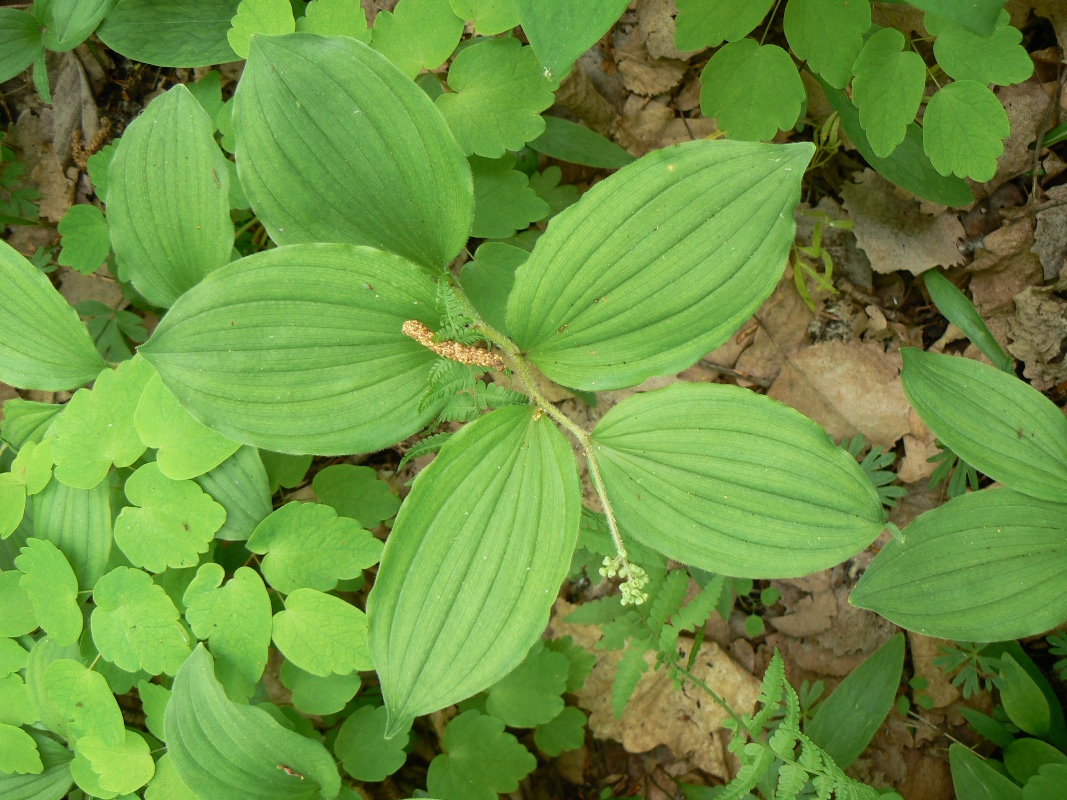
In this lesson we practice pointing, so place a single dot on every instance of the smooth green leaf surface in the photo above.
(240, 485)
(658, 264)
(285, 470)
(964, 128)
(168, 198)
(417, 34)
(313, 694)
(997, 58)
(488, 279)
(960, 311)
(973, 779)
(564, 732)
(887, 89)
(356, 492)
(67, 23)
(52, 587)
(752, 90)
(20, 42)
(186, 448)
(498, 93)
(474, 562)
(154, 699)
(135, 625)
(166, 785)
(1023, 700)
(16, 608)
(268, 17)
(503, 200)
(12, 656)
(33, 466)
(50, 784)
(169, 524)
(490, 17)
(122, 768)
(171, 33)
(18, 752)
(1051, 778)
(991, 420)
(306, 545)
(85, 238)
(362, 747)
(708, 24)
(12, 505)
(299, 349)
(43, 344)
(581, 661)
(979, 16)
(1024, 757)
(224, 750)
(547, 186)
(78, 522)
(335, 18)
(733, 482)
(985, 567)
(83, 701)
(559, 31)
(531, 694)
(480, 760)
(322, 634)
(568, 141)
(828, 34)
(301, 104)
(26, 421)
(16, 708)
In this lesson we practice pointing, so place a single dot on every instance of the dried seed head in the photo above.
(454, 351)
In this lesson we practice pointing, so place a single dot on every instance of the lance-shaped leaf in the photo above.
(168, 198)
(240, 485)
(991, 420)
(300, 350)
(222, 749)
(733, 482)
(985, 567)
(560, 31)
(68, 23)
(171, 33)
(474, 562)
(658, 264)
(43, 344)
(335, 144)
(78, 522)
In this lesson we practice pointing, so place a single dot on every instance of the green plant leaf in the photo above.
(308, 546)
(123, 767)
(16, 708)
(18, 752)
(1023, 700)
(568, 141)
(285, 470)
(564, 732)
(335, 18)
(498, 94)
(991, 420)
(82, 701)
(240, 485)
(531, 694)
(480, 760)
(963, 130)
(313, 694)
(559, 31)
(12, 657)
(269, 17)
(1024, 757)
(166, 785)
(547, 186)
(846, 721)
(20, 42)
(356, 492)
(340, 377)
(581, 661)
(186, 448)
(169, 524)
(52, 587)
(78, 522)
(974, 779)
(1050, 779)
(32, 466)
(979, 17)
(488, 278)
(96, 428)
(85, 238)
(658, 264)
(733, 482)
(985, 567)
(154, 699)
(135, 625)
(409, 192)
(752, 90)
(12, 505)
(50, 784)
(67, 23)
(43, 344)
(168, 198)
(16, 608)
(806, 24)
(417, 34)
(503, 200)
(322, 634)
(490, 17)
(888, 89)
(222, 749)
(208, 92)
(966, 56)
(702, 24)
(499, 506)
(171, 33)
(960, 311)
(26, 421)
(235, 620)
(362, 747)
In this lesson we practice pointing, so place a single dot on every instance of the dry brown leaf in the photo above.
(655, 19)
(1055, 11)
(55, 184)
(76, 287)
(644, 75)
(1039, 334)
(919, 447)
(848, 389)
(1050, 237)
(923, 652)
(782, 332)
(810, 615)
(578, 95)
(1026, 104)
(74, 107)
(648, 125)
(894, 233)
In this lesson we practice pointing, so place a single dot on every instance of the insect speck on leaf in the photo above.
(368, 287)
(215, 175)
(289, 771)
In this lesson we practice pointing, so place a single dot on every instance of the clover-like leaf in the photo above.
(530, 695)
(96, 428)
(135, 625)
(272, 17)
(12, 656)
(487, 280)
(85, 238)
(703, 24)
(832, 56)
(314, 694)
(18, 752)
(364, 751)
(81, 701)
(581, 661)
(16, 707)
(417, 34)
(559, 31)
(78, 522)
(322, 634)
(32, 466)
(12, 504)
(503, 200)
(166, 783)
(887, 89)
(480, 760)
(284, 470)
(752, 90)
(240, 485)
(186, 447)
(547, 186)
(122, 768)
(490, 17)
(154, 699)
(52, 588)
(308, 546)
(356, 492)
(498, 93)
(235, 620)
(963, 130)
(565, 731)
(335, 18)
(170, 522)
(16, 608)
(966, 56)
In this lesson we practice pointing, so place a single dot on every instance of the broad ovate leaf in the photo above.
(658, 264)
(992, 420)
(299, 349)
(18, 753)
(806, 23)
(985, 567)
(733, 482)
(997, 58)
(221, 749)
(335, 144)
(168, 198)
(82, 701)
(171, 33)
(559, 31)
(887, 89)
(68, 23)
(43, 344)
(964, 129)
(78, 522)
(474, 562)
(20, 42)
(335, 18)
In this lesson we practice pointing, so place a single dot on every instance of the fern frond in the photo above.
(668, 599)
(756, 759)
(784, 739)
(446, 379)
(597, 612)
(698, 610)
(628, 673)
(493, 395)
(771, 690)
(456, 324)
(791, 779)
(431, 444)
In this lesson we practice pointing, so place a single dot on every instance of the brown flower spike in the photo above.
(454, 351)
